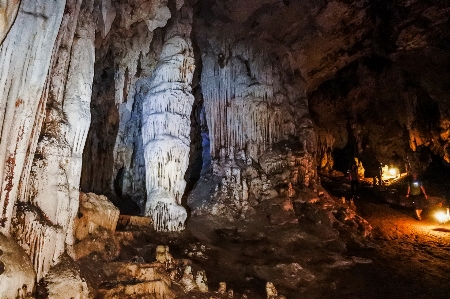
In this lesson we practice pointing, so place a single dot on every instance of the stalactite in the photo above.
(166, 128)
(241, 108)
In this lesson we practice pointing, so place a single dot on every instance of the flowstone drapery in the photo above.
(51, 200)
(242, 101)
(8, 12)
(25, 59)
(166, 127)
(255, 114)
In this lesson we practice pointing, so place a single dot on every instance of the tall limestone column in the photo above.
(24, 62)
(166, 127)
(56, 170)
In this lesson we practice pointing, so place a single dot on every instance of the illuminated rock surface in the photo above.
(219, 123)
(23, 74)
(17, 277)
(8, 13)
(166, 127)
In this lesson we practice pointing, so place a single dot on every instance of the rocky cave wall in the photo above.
(95, 94)
(390, 105)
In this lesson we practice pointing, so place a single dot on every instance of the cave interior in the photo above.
(223, 131)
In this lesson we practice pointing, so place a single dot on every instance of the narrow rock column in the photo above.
(166, 127)
(76, 107)
(25, 59)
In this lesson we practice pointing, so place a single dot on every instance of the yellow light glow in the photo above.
(442, 217)
(393, 171)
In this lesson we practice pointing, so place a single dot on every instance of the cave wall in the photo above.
(95, 94)
(390, 101)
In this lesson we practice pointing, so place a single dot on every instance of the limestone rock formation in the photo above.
(95, 212)
(166, 127)
(64, 281)
(94, 228)
(227, 106)
(8, 13)
(56, 169)
(23, 74)
(17, 277)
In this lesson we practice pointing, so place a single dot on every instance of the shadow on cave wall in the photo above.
(98, 159)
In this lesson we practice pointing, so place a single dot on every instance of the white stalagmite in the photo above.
(166, 127)
(132, 69)
(55, 173)
(24, 62)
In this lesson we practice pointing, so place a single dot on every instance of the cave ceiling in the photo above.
(240, 102)
(383, 66)
(317, 38)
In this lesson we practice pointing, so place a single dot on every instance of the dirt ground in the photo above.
(311, 257)
(411, 258)
(403, 258)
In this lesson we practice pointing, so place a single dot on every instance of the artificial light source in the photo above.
(393, 171)
(441, 216)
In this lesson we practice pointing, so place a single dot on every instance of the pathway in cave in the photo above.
(412, 258)
(409, 258)
(403, 258)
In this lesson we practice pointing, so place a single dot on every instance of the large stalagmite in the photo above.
(24, 61)
(53, 193)
(166, 127)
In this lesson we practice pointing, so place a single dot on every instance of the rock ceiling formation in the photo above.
(137, 99)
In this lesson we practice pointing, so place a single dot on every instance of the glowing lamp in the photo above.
(393, 171)
(441, 216)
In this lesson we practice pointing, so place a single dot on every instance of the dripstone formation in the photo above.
(168, 109)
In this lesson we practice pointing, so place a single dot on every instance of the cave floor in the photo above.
(403, 257)
(411, 259)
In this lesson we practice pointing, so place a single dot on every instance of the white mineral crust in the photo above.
(166, 129)
(25, 59)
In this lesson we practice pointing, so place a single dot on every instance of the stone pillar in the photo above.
(166, 127)
(55, 173)
(25, 59)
